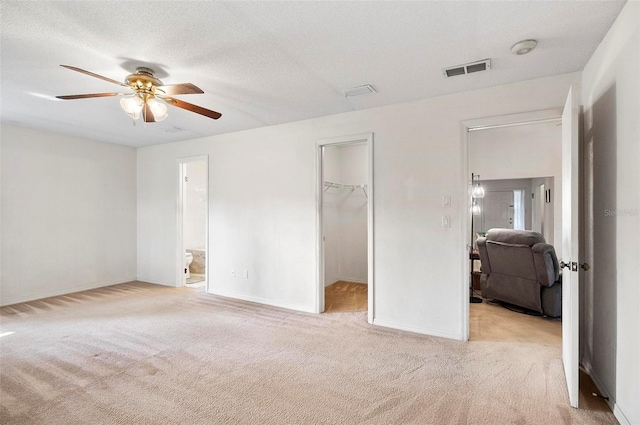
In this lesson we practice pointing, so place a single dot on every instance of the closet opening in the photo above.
(345, 230)
(193, 222)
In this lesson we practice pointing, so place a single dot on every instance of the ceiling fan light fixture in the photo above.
(158, 109)
(132, 106)
(149, 97)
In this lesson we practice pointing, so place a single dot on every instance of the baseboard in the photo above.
(346, 279)
(265, 301)
(331, 283)
(602, 389)
(58, 292)
(415, 329)
(353, 280)
(620, 416)
(170, 285)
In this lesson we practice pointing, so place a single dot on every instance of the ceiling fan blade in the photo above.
(190, 107)
(147, 114)
(184, 88)
(73, 68)
(89, 95)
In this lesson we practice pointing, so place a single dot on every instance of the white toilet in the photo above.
(188, 259)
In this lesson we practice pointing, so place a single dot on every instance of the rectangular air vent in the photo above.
(359, 91)
(468, 68)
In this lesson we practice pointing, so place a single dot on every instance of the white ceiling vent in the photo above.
(468, 68)
(359, 91)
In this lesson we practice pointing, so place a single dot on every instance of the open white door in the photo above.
(570, 243)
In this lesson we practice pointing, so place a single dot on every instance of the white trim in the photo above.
(331, 283)
(465, 231)
(515, 124)
(153, 282)
(415, 329)
(523, 118)
(265, 301)
(345, 140)
(66, 291)
(352, 280)
(180, 276)
(620, 416)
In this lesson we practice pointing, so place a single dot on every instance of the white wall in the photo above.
(68, 214)
(345, 214)
(195, 207)
(505, 185)
(523, 151)
(611, 98)
(548, 209)
(263, 204)
(353, 214)
(331, 214)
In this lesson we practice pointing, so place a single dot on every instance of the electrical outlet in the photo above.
(233, 272)
(245, 274)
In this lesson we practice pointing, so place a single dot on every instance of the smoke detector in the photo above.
(523, 47)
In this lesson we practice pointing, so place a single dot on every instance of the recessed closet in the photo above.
(344, 215)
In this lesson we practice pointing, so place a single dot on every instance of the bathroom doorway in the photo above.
(193, 222)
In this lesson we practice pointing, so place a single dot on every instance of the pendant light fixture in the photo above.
(477, 191)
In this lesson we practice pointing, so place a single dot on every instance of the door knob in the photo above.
(563, 265)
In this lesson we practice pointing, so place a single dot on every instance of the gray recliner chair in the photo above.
(520, 268)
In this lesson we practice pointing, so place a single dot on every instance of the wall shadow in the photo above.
(600, 298)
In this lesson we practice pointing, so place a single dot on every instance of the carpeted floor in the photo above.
(145, 354)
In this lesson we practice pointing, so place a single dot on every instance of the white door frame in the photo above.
(180, 276)
(345, 140)
(467, 126)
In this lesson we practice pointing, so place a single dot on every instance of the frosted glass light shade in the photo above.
(478, 191)
(475, 209)
(158, 109)
(132, 106)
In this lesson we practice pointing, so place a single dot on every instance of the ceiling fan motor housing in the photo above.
(143, 81)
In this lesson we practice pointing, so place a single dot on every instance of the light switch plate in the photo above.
(446, 201)
(446, 221)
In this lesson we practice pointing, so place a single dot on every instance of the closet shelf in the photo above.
(333, 185)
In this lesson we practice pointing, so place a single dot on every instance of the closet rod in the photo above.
(328, 185)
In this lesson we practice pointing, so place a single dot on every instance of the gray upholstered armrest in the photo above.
(484, 259)
(546, 264)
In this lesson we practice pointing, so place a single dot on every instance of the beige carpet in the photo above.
(145, 354)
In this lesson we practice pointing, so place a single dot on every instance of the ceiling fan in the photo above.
(147, 91)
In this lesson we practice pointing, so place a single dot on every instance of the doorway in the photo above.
(193, 222)
(345, 224)
(514, 156)
(511, 162)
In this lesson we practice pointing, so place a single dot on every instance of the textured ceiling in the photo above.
(264, 63)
